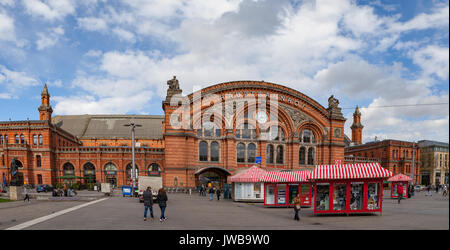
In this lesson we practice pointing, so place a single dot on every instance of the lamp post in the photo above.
(133, 165)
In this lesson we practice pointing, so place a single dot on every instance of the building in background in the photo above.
(434, 162)
(394, 155)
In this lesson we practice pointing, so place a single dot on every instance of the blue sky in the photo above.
(105, 57)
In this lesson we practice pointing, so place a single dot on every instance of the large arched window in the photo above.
(302, 156)
(68, 169)
(110, 168)
(280, 154)
(203, 151)
(214, 151)
(89, 172)
(251, 153)
(240, 152)
(154, 170)
(129, 169)
(269, 154)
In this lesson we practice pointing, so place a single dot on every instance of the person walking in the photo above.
(437, 188)
(444, 190)
(412, 191)
(400, 192)
(297, 208)
(218, 194)
(148, 203)
(429, 190)
(27, 196)
(211, 193)
(162, 200)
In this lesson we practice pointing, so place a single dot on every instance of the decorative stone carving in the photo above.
(333, 109)
(296, 116)
(174, 88)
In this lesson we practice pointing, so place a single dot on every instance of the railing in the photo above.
(357, 159)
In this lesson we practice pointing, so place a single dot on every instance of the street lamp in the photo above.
(133, 169)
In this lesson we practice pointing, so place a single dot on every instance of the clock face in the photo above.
(261, 117)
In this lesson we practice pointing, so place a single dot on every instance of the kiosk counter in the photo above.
(281, 188)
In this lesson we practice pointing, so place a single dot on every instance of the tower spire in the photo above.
(357, 127)
(45, 110)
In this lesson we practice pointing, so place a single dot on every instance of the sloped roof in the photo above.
(110, 126)
(400, 177)
(253, 174)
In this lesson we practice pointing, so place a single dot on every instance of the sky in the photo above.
(389, 58)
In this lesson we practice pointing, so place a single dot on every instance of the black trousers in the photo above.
(27, 197)
(296, 217)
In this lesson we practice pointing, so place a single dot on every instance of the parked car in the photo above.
(419, 188)
(44, 188)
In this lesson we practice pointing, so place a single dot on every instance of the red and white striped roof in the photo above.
(349, 171)
(253, 174)
(291, 176)
(400, 177)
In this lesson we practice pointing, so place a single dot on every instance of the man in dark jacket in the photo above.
(148, 203)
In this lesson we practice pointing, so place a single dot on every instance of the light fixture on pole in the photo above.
(133, 165)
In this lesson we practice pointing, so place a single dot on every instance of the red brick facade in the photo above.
(305, 134)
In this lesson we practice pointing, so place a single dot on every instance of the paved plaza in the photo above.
(193, 212)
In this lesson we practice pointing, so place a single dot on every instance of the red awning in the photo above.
(291, 176)
(253, 174)
(350, 171)
(400, 177)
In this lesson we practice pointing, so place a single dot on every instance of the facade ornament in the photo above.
(333, 109)
(174, 88)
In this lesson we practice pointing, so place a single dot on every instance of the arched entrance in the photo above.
(217, 176)
(89, 173)
(111, 174)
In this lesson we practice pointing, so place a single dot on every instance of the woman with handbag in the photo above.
(297, 207)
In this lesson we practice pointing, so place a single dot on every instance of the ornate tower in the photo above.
(45, 110)
(357, 127)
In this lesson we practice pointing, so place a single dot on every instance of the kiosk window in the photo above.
(322, 197)
(270, 194)
(339, 196)
(356, 200)
(281, 194)
(373, 198)
(293, 192)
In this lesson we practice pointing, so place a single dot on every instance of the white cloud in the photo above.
(50, 38)
(12, 82)
(92, 24)
(50, 9)
(433, 60)
(7, 31)
(124, 35)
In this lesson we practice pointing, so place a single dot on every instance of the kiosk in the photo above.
(399, 179)
(349, 188)
(281, 188)
(247, 185)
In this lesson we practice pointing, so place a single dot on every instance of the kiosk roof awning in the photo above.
(253, 174)
(283, 177)
(400, 177)
(350, 171)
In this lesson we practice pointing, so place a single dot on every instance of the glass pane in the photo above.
(281, 194)
(280, 154)
(372, 196)
(305, 190)
(248, 190)
(302, 155)
(293, 192)
(322, 197)
(339, 196)
(203, 151)
(257, 190)
(269, 154)
(238, 190)
(251, 153)
(270, 194)
(306, 136)
(214, 151)
(356, 201)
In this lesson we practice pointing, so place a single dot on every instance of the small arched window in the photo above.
(214, 151)
(311, 156)
(280, 154)
(22, 139)
(35, 139)
(251, 153)
(269, 154)
(302, 155)
(41, 140)
(240, 152)
(203, 151)
(17, 139)
(38, 161)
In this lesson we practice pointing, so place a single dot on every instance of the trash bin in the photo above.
(126, 190)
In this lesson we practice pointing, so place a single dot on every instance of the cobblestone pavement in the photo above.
(198, 213)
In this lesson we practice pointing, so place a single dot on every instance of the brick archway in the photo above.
(216, 175)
